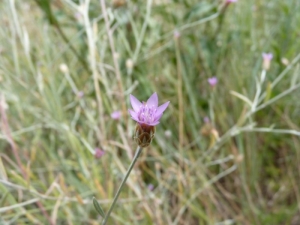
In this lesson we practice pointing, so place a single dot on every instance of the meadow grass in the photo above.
(66, 65)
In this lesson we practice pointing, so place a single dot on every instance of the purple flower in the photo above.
(99, 153)
(206, 119)
(80, 94)
(150, 187)
(267, 57)
(212, 81)
(230, 1)
(116, 115)
(148, 112)
(176, 34)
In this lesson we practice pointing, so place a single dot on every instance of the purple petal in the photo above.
(135, 103)
(212, 81)
(157, 117)
(136, 119)
(267, 56)
(153, 123)
(133, 114)
(153, 100)
(162, 108)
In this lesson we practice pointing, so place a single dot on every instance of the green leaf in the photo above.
(98, 207)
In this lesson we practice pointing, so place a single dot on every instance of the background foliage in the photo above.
(66, 65)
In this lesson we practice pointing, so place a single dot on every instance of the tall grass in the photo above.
(240, 167)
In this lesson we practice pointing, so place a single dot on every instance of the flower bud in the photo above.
(99, 153)
(63, 68)
(144, 134)
(267, 57)
(285, 61)
(116, 115)
(212, 81)
(129, 64)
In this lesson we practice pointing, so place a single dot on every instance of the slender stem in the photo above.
(92, 51)
(137, 154)
(180, 95)
(114, 53)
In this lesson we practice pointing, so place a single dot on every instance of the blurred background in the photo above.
(226, 150)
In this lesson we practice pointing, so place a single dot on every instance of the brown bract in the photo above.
(144, 134)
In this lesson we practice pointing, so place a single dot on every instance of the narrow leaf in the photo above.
(98, 207)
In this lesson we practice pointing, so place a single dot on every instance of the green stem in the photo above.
(137, 154)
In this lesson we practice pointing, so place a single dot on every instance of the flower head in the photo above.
(230, 1)
(116, 115)
(212, 81)
(99, 153)
(206, 119)
(80, 94)
(176, 34)
(147, 113)
(150, 187)
(267, 57)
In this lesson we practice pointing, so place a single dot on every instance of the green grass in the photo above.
(241, 168)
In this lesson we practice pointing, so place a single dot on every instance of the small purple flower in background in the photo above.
(267, 57)
(116, 115)
(206, 119)
(176, 34)
(147, 113)
(230, 1)
(79, 17)
(212, 81)
(150, 187)
(99, 153)
(80, 94)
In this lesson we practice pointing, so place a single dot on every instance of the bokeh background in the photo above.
(224, 153)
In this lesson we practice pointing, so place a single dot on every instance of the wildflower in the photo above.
(212, 81)
(80, 94)
(147, 116)
(78, 16)
(99, 153)
(176, 34)
(116, 115)
(147, 113)
(267, 57)
(230, 1)
(150, 187)
(207, 127)
(206, 119)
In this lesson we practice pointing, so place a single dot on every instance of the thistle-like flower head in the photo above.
(212, 81)
(267, 57)
(230, 1)
(147, 113)
(116, 115)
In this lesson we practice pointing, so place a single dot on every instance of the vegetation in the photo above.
(222, 154)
